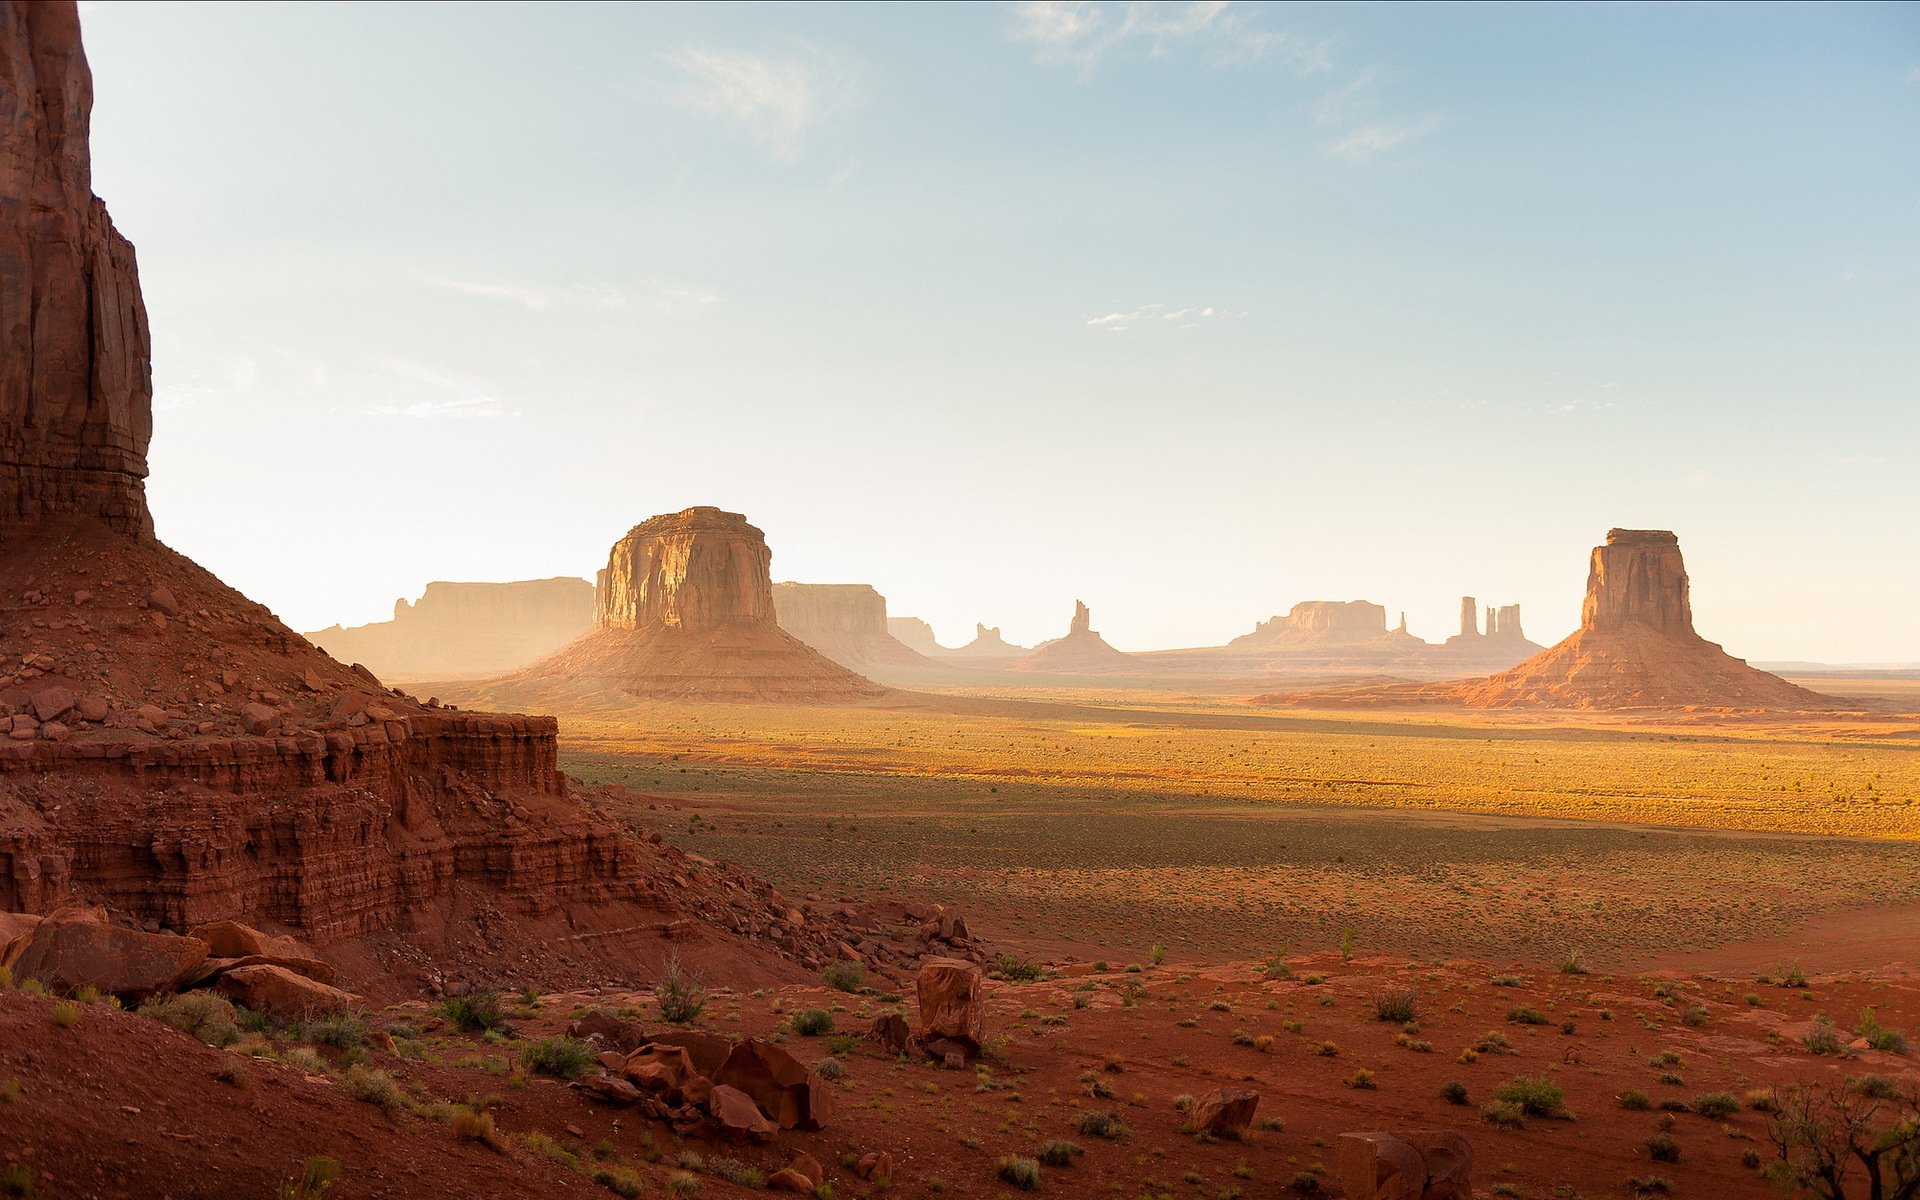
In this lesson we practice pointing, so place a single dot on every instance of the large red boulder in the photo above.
(1380, 1166)
(953, 1005)
(79, 947)
(784, 1088)
(738, 1116)
(1225, 1112)
(603, 1027)
(264, 987)
(15, 929)
(662, 1070)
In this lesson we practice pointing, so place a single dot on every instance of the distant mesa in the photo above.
(1502, 627)
(1322, 623)
(915, 635)
(1082, 650)
(686, 611)
(458, 629)
(1635, 648)
(848, 623)
(987, 643)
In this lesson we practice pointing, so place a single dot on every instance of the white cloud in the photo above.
(1146, 314)
(1079, 33)
(422, 391)
(775, 101)
(1371, 141)
(472, 408)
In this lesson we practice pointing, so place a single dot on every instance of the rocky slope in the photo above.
(175, 752)
(459, 629)
(1635, 648)
(685, 612)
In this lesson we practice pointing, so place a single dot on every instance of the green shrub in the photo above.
(561, 1057)
(812, 1022)
(373, 1087)
(65, 1014)
(1021, 970)
(736, 1172)
(1453, 1092)
(1662, 1148)
(1822, 1039)
(1536, 1095)
(831, 1068)
(1023, 1173)
(1503, 1113)
(314, 1180)
(1716, 1105)
(681, 997)
(1526, 1016)
(1634, 1101)
(1102, 1123)
(621, 1181)
(845, 976)
(1878, 1036)
(475, 1012)
(341, 1031)
(203, 1015)
(1059, 1152)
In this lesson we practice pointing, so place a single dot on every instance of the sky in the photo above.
(1190, 311)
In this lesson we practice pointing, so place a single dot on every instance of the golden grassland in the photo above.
(1103, 823)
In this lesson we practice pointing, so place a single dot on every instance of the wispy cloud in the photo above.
(654, 294)
(1358, 127)
(776, 101)
(1160, 315)
(1080, 33)
(422, 391)
(1913, 76)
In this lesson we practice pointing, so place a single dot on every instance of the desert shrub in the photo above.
(1396, 1004)
(831, 1068)
(561, 1057)
(1523, 1015)
(1453, 1092)
(680, 994)
(1242, 1038)
(1822, 1133)
(1508, 981)
(1571, 964)
(1662, 1148)
(1536, 1095)
(1184, 1102)
(341, 1031)
(1634, 1101)
(475, 1125)
(1157, 954)
(314, 1180)
(1504, 1114)
(845, 976)
(16, 1179)
(231, 1072)
(1878, 1036)
(683, 1184)
(1021, 970)
(65, 1014)
(811, 1022)
(1673, 1104)
(1716, 1105)
(1059, 1152)
(1102, 1123)
(1789, 975)
(476, 1012)
(621, 1181)
(736, 1172)
(1361, 1079)
(691, 1160)
(1822, 1039)
(1305, 1183)
(1023, 1173)
(300, 1058)
(203, 1015)
(1326, 1049)
(373, 1087)
(1493, 1042)
(1875, 1087)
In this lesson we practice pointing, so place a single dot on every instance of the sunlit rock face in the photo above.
(697, 569)
(76, 394)
(1638, 578)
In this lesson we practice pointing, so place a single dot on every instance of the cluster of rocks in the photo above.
(80, 947)
(748, 1090)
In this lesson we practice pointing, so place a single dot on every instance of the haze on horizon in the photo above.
(1188, 311)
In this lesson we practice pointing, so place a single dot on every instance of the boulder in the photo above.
(874, 1165)
(891, 1032)
(609, 1089)
(786, 1090)
(246, 946)
(737, 1115)
(706, 1051)
(608, 1030)
(265, 987)
(79, 947)
(1225, 1112)
(952, 1002)
(1380, 1166)
(786, 1179)
(663, 1071)
(1449, 1162)
(808, 1166)
(15, 929)
(52, 703)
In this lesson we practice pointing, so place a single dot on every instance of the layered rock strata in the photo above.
(848, 623)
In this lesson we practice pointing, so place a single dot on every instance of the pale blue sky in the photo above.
(1188, 312)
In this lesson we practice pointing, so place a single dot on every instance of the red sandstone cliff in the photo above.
(170, 749)
(686, 612)
(458, 629)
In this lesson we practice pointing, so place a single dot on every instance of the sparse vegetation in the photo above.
(1023, 1173)
(811, 1022)
(314, 1180)
(680, 995)
(201, 1014)
(476, 1012)
(845, 975)
(560, 1057)
(1101, 1123)
(1396, 1004)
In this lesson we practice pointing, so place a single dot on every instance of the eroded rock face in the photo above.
(916, 635)
(953, 1003)
(1320, 622)
(1638, 578)
(697, 569)
(76, 394)
(987, 643)
(467, 628)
